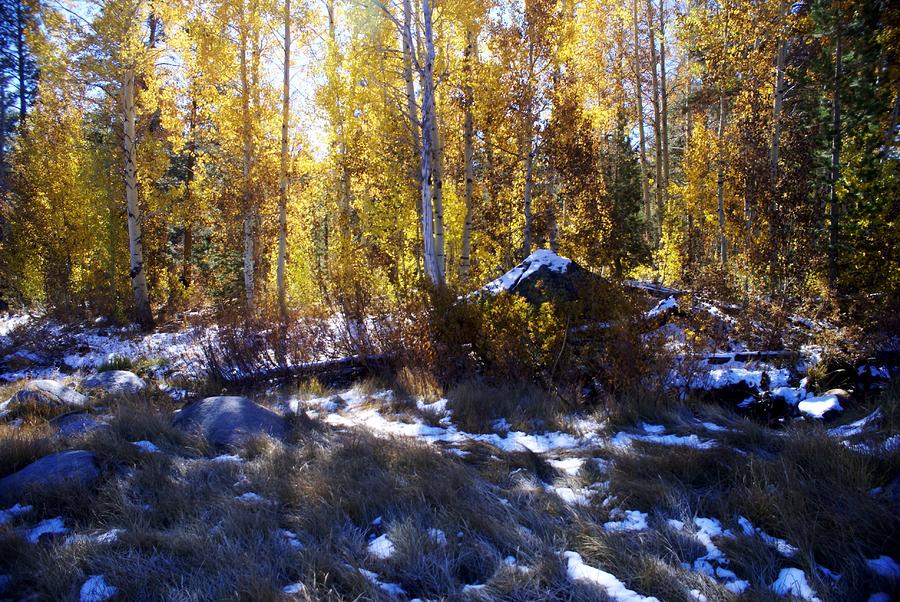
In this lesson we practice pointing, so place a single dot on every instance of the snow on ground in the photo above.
(96, 589)
(792, 582)
(381, 547)
(885, 566)
(714, 563)
(624, 440)
(782, 546)
(50, 526)
(392, 589)
(358, 414)
(10, 513)
(615, 589)
(857, 427)
(631, 520)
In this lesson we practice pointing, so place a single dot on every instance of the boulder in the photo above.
(59, 470)
(545, 276)
(77, 424)
(115, 382)
(227, 421)
(43, 394)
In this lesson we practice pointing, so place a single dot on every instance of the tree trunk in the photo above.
(344, 203)
(430, 215)
(834, 217)
(664, 99)
(529, 183)
(645, 185)
(720, 182)
(437, 190)
(135, 246)
(776, 141)
(468, 135)
(247, 159)
(20, 63)
(657, 141)
(283, 168)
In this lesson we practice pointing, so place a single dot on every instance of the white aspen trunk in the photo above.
(720, 183)
(249, 209)
(135, 245)
(664, 99)
(468, 156)
(657, 138)
(283, 175)
(431, 253)
(645, 184)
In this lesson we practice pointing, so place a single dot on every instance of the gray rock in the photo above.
(62, 469)
(228, 421)
(115, 382)
(75, 425)
(47, 394)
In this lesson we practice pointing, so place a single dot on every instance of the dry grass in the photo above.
(186, 536)
(476, 405)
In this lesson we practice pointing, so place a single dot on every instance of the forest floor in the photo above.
(382, 492)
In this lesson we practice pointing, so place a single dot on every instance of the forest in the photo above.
(450, 300)
(163, 155)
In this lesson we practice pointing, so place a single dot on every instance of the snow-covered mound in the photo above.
(544, 276)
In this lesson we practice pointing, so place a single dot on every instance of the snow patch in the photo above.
(50, 526)
(817, 407)
(96, 589)
(632, 520)
(792, 582)
(577, 570)
(381, 547)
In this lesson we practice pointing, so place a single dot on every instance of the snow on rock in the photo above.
(631, 520)
(577, 570)
(885, 566)
(50, 526)
(12, 512)
(96, 589)
(381, 547)
(792, 582)
(817, 407)
(531, 264)
(666, 305)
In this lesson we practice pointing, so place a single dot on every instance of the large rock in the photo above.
(227, 421)
(545, 276)
(43, 394)
(59, 470)
(115, 382)
(77, 424)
